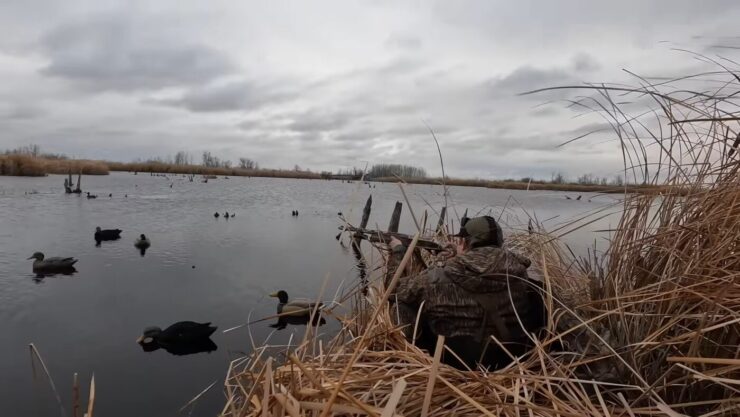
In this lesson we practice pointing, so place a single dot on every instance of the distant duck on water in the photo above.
(216, 215)
(91, 195)
(226, 215)
(142, 244)
(107, 234)
(54, 264)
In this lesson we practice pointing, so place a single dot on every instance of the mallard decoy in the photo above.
(51, 264)
(293, 308)
(216, 215)
(90, 195)
(179, 333)
(107, 234)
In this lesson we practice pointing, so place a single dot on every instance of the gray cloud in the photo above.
(232, 96)
(114, 52)
(327, 86)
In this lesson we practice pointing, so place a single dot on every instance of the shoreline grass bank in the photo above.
(27, 165)
(30, 166)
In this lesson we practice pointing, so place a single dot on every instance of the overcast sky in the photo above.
(328, 85)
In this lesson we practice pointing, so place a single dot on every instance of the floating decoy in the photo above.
(53, 264)
(578, 198)
(110, 195)
(226, 214)
(182, 349)
(90, 195)
(125, 196)
(567, 197)
(295, 308)
(216, 215)
(142, 243)
(107, 234)
(178, 333)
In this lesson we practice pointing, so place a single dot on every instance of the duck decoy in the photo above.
(216, 215)
(107, 234)
(90, 195)
(142, 244)
(54, 264)
(180, 332)
(567, 197)
(578, 198)
(110, 195)
(226, 215)
(294, 308)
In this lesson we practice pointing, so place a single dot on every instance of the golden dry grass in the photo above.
(29, 166)
(651, 328)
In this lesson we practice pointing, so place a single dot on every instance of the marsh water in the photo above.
(198, 268)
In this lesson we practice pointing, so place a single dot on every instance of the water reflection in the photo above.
(182, 349)
(284, 321)
(40, 275)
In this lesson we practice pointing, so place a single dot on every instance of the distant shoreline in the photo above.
(25, 165)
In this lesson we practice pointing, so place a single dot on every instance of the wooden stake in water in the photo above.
(395, 217)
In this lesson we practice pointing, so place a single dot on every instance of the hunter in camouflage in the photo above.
(484, 291)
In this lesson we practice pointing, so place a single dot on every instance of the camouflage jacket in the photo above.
(474, 294)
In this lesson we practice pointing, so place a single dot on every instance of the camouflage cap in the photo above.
(482, 231)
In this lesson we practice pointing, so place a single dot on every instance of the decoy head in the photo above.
(97, 229)
(142, 237)
(149, 336)
(281, 295)
(37, 256)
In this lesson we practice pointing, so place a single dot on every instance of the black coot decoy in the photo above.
(216, 215)
(180, 332)
(107, 234)
(90, 195)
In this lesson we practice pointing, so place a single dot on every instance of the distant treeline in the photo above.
(390, 170)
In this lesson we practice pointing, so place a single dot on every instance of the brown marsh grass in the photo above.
(651, 328)
(30, 166)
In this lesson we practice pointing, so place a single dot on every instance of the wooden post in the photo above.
(365, 219)
(79, 179)
(441, 222)
(395, 217)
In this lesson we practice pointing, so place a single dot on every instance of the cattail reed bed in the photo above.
(651, 327)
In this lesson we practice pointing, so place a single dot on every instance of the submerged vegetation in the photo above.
(650, 327)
